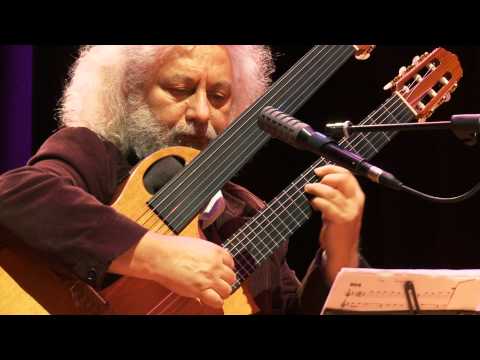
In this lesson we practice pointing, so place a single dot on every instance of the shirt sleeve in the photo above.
(315, 287)
(58, 206)
(309, 295)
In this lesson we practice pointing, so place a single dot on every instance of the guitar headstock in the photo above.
(428, 82)
(363, 51)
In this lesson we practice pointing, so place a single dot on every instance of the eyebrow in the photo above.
(222, 84)
(182, 79)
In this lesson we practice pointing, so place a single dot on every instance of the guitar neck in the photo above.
(182, 198)
(263, 234)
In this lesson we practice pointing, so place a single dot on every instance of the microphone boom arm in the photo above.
(461, 125)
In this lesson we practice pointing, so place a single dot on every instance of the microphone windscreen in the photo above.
(281, 126)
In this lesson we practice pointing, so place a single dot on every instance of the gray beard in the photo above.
(145, 134)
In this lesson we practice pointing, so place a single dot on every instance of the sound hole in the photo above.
(161, 171)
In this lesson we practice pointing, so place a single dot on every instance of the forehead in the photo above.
(198, 60)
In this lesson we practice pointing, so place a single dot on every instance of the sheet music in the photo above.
(383, 290)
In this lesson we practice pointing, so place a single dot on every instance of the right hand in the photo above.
(189, 267)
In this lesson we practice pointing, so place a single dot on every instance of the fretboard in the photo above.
(264, 233)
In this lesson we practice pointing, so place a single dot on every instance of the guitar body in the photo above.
(136, 296)
(29, 286)
(26, 285)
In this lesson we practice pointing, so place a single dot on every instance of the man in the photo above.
(123, 103)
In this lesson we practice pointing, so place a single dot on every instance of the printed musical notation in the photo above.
(390, 299)
(384, 290)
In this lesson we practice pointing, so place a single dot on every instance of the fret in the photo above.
(268, 219)
(291, 207)
(367, 145)
(266, 228)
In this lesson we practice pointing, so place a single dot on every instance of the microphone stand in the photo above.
(465, 127)
(439, 125)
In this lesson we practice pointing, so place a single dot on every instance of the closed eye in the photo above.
(180, 92)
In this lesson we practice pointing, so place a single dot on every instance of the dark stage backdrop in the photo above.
(15, 105)
(399, 231)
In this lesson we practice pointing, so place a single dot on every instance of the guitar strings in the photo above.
(293, 185)
(235, 133)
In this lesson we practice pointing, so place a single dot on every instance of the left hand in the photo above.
(341, 200)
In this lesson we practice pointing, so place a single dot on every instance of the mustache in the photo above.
(144, 133)
(191, 135)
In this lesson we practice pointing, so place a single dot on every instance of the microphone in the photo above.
(301, 136)
(466, 127)
(467, 121)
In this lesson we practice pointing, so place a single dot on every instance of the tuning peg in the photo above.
(404, 69)
(421, 106)
(388, 86)
(416, 59)
(425, 54)
(401, 71)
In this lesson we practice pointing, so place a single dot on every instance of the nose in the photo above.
(199, 108)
